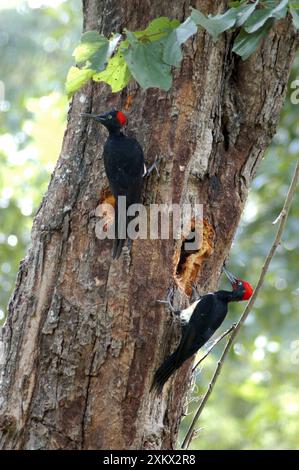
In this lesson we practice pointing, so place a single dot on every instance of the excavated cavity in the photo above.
(187, 263)
(106, 197)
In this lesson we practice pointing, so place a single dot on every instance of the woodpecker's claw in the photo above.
(168, 302)
(154, 166)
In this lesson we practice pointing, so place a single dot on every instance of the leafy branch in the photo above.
(282, 218)
(149, 55)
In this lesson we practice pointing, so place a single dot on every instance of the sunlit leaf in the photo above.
(132, 37)
(93, 49)
(76, 78)
(157, 29)
(116, 74)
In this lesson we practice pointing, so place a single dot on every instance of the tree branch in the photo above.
(282, 218)
(217, 340)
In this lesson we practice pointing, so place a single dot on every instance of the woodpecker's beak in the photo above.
(96, 117)
(232, 279)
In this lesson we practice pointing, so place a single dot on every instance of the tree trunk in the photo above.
(84, 334)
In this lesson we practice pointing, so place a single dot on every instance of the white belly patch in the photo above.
(185, 314)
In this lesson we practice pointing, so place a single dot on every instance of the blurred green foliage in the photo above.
(36, 38)
(255, 404)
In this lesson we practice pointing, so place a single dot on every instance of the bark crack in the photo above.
(86, 400)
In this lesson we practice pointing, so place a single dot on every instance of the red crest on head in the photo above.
(121, 118)
(248, 290)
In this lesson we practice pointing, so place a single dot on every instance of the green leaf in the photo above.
(132, 38)
(295, 15)
(145, 62)
(244, 12)
(234, 17)
(157, 29)
(92, 50)
(116, 74)
(76, 78)
(245, 44)
(280, 7)
(217, 24)
(172, 48)
(257, 20)
(259, 17)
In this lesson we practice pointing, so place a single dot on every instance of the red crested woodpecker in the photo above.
(200, 321)
(125, 169)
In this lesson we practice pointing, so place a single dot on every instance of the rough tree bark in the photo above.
(84, 334)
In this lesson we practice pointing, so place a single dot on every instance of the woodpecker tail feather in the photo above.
(120, 230)
(164, 372)
(117, 248)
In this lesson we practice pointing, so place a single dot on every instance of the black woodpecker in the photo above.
(125, 169)
(200, 321)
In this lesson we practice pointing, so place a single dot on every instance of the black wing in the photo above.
(199, 329)
(124, 165)
(206, 318)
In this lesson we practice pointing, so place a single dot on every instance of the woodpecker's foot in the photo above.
(168, 302)
(195, 294)
(154, 166)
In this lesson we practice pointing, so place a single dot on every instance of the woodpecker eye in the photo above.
(109, 117)
(240, 283)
